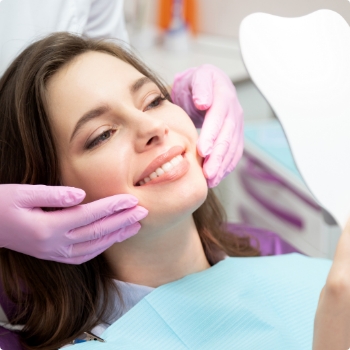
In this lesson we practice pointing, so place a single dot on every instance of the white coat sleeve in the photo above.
(23, 22)
(106, 20)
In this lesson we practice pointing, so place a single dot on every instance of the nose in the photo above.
(150, 132)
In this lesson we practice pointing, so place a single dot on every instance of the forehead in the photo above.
(93, 67)
(91, 78)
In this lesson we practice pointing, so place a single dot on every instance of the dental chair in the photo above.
(8, 339)
(269, 243)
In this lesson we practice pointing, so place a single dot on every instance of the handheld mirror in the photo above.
(302, 67)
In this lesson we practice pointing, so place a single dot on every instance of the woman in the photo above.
(116, 132)
(82, 113)
(205, 88)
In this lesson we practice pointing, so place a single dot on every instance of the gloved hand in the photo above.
(207, 93)
(73, 235)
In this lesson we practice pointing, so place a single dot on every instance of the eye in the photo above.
(155, 103)
(103, 137)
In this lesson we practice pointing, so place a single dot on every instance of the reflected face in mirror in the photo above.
(115, 133)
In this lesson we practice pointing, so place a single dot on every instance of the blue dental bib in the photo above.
(240, 303)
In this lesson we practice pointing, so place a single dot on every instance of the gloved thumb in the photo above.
(32, 196)
(202, 87)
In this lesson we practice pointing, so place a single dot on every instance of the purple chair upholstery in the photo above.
(9, 340)
(269, 242)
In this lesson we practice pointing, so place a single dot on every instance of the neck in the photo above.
(158, 257)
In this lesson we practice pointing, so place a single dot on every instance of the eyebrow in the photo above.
(137, 85)
(97, 112)
(92, 114)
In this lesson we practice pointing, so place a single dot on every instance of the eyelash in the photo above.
(95, 142)
(158, 99)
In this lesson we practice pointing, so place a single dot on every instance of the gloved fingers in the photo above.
(65, 256)
(211, 127)
(107, 225)
(88, 250)
(213, 163)
(237, 144)
(79, 259)
(230, 161)
(181, 84)
(86, 214)
(39, 196)
(202, 87)
(235, 151)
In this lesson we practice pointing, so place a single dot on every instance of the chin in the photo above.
(168, 210)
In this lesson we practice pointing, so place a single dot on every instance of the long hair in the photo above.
(57, 302)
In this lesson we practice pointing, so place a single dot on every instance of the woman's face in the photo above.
(112, 130)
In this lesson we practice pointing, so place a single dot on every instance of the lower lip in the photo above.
(174, 174)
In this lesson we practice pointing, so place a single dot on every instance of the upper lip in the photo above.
(160, 160)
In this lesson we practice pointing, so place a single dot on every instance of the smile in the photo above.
(167, 167)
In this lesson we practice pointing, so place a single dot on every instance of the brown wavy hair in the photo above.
(58, 302)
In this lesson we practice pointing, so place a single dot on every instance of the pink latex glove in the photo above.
(207, 93)
(72, 235)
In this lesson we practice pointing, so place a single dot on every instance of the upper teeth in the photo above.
(163, 169)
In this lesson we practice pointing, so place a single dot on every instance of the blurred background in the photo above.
(210, 36)
(266, 189)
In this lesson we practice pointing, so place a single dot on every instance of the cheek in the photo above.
(99, 177)
(181, 123)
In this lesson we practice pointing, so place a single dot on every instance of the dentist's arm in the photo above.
(206, 93)
(72, 235)
(332, 321)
